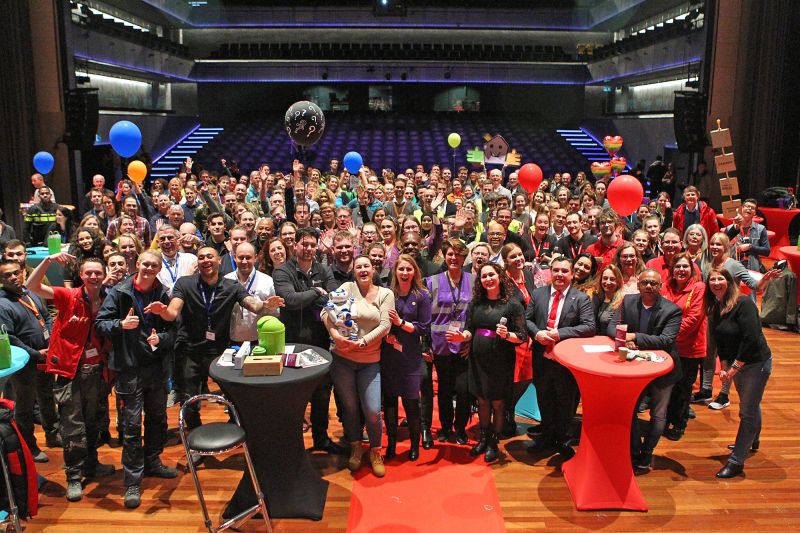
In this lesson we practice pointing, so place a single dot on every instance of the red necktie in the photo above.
(551, 321)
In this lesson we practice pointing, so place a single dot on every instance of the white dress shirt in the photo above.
(244, 324)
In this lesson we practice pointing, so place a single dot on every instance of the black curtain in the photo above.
(17, 109)
(767, 104)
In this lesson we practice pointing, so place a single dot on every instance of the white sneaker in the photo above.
(719, 403)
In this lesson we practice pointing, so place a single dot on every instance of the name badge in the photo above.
(211, 336)
(91, 353)
(45, 334)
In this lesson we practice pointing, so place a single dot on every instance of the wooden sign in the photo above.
(730, 209)
(725, 163)
(721, 138)
(729, 186)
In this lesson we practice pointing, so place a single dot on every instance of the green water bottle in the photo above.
(53, 243)
(5, 348)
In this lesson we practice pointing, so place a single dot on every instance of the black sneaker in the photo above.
(160, 470)
(702, 396)
(673, 433)
(132, 497)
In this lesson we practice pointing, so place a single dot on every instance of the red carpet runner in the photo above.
(444, 490)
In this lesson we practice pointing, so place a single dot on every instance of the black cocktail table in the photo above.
(271, 409)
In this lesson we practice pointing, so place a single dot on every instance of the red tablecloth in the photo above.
(792, 255)
(728, 221)
(778, 220)
(600, 476)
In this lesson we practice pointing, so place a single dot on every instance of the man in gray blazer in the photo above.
(556, 312)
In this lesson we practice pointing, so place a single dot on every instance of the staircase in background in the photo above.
(585, 144)
(168, 164)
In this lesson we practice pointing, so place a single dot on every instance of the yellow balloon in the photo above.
(137, 171)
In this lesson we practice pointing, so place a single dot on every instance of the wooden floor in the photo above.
(682, 492)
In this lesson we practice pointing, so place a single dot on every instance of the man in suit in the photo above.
(556, 312)
(653, 323)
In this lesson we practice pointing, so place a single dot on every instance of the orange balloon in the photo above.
(137, 171)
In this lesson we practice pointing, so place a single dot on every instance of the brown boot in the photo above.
(377, 462)
(356, 453)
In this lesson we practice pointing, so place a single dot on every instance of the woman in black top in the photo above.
(744, 358)
(493, 340)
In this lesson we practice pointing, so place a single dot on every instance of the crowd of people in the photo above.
(463, 271)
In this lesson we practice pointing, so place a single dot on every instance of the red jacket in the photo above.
(603, 252)
(691, 339)
(708, 219)
(74, 324)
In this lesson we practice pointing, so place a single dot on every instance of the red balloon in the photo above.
(530, 177)
(625, 195)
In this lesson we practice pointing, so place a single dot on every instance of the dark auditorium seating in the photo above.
(389, 140)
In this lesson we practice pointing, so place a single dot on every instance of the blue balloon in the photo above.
(126, 138)
(43, 162)
(353, 162)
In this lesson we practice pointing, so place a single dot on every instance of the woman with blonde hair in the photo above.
(607, 296)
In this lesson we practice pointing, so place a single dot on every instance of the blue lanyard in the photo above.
(252, 279)
(173, 275)
(233, 263)
(208, 303)
(141, 303)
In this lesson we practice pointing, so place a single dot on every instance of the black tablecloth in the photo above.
(271, 409)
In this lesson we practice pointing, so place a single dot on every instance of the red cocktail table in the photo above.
(600, 476)
(778, 220)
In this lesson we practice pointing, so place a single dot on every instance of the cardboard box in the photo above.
(263, 365)
(729, 186)
(729, 209)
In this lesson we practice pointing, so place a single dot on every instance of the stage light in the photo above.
(389, 8)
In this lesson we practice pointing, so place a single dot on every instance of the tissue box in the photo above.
(263, 365)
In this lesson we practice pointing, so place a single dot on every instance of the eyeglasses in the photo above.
(650, 282)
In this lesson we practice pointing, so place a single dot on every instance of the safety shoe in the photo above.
(132, 497)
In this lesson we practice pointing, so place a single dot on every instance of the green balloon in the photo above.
(454, 140)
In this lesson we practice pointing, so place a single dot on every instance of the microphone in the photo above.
(503, 321)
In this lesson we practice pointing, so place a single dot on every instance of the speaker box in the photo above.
(82, 116)
(689, 121)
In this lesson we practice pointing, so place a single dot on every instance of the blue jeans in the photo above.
(750, 383)
(359, 390)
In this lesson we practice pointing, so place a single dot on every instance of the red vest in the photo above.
(74, 324)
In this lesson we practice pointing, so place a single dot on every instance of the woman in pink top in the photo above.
(355, 369)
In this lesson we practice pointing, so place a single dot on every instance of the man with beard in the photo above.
(76, 355)
(131, 208)
(29, 324)
(556, 312)
(504, 216)
(40, 219)
(304, 284)
(142, 359)
(577, 241)
(204, 302)
(607, 246)
(216, 232)
(343, 250)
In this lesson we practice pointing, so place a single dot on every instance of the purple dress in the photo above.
(401, 368)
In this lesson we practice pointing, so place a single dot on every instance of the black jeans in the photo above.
(195, 376)
(142, 390)
(34, 386)
(78, 401)
(451, 370)
(320, 406)
(678, 410)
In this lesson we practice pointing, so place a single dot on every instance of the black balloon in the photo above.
(304, 123)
